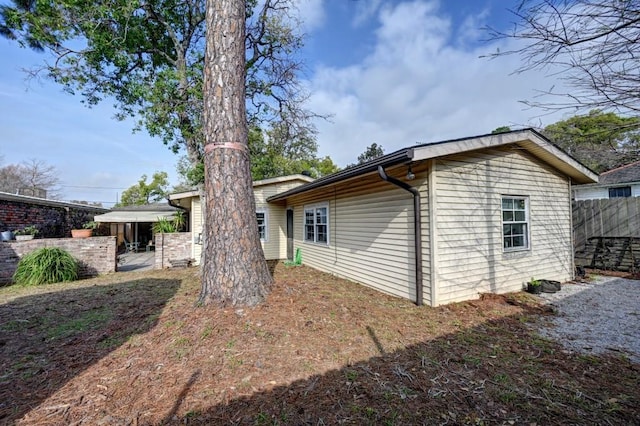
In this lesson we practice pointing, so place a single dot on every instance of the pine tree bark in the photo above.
(234, 271)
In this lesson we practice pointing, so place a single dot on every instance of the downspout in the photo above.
(417, 228)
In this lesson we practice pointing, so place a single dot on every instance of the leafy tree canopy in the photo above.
(145, 193)
(501, 129)
(148, 55)
(600, 140)
(271, 156)
(373, 151)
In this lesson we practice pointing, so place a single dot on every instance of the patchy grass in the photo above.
(132, 348)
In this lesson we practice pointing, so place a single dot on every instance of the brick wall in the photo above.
(173, 246)
(53, 221)
(96, 255)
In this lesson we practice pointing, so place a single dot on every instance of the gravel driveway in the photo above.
(602, 316)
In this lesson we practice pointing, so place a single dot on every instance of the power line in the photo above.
(90, 187)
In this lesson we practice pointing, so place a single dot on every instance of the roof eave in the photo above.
(282, 179)
(532, 141)
(184, 194)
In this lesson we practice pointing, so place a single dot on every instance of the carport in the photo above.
(134, 224)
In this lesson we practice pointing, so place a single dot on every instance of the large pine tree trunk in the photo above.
(234, 270)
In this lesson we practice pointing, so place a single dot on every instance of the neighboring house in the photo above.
(54, 219)
(620, 182)
(434, 223)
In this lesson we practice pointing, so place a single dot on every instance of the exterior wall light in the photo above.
(410, 175)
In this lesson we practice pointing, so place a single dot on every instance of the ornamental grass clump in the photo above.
(45, 266)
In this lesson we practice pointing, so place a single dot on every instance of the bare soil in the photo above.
(133, 349)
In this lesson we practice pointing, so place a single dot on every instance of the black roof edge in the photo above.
(397, 157)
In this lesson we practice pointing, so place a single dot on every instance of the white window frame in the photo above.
(526, 222)
(265, 212)
(314, 209)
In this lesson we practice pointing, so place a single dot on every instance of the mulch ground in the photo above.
(133, 349)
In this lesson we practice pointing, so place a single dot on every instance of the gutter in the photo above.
(172, 204)
(184, 210)
(394, 158)
(417, 228)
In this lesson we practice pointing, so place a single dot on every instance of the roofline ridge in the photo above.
(620, 167)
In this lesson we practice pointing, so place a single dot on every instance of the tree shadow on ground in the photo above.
(48, 339)
(498, 372)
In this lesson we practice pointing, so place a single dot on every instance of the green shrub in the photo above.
(27, 230)
(164, 226)
(45, 266)
(90, 225)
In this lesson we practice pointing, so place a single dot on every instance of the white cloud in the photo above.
(365, 10)
(418, 85)
(311, 13)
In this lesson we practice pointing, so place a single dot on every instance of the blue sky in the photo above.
(387, 71)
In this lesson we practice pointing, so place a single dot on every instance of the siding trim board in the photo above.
(433, 231)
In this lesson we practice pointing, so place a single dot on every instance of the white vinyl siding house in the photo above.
(474, 254)
(271, 217)
(434, 223)
(586, 192)
(495, 211)
(275, 243)
(370, 233)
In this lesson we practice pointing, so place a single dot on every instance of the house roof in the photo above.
(46, 202)
(133, 216)
(527, 139)
(256, 183)
(162, 207)
(281, 179)
(623, 174)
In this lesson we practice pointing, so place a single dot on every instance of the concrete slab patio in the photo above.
(143, 261)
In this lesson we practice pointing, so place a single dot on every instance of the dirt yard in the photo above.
(133, 349)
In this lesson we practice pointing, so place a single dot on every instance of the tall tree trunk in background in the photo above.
(234, 270)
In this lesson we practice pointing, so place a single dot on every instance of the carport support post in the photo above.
(417, 228)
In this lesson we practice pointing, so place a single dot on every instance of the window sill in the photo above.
(516, 253)
(313, 243)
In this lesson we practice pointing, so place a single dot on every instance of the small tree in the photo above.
(602, 141)
(373, 151)
(145, 193)
(501, 129)
(31, 178)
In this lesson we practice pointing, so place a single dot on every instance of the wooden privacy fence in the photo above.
(607, 233)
